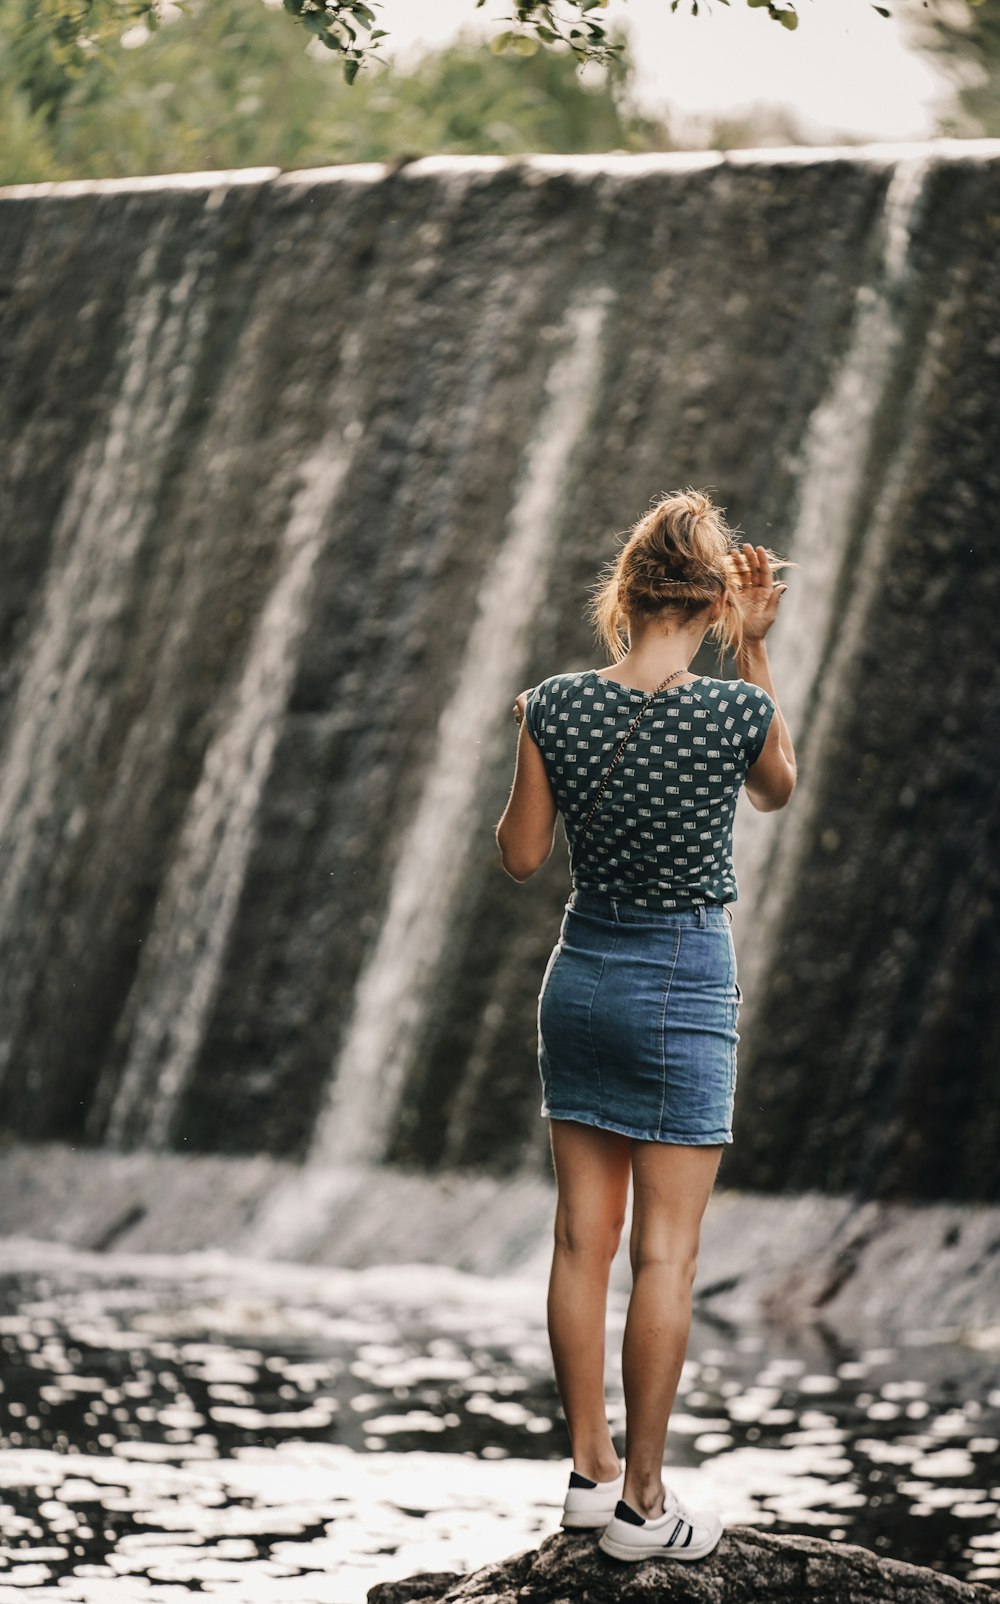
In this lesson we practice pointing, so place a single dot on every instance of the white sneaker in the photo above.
(678, 1533)
(590, 1503)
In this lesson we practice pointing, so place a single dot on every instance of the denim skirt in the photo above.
(637, 1019)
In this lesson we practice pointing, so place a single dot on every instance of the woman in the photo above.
(638, 1006)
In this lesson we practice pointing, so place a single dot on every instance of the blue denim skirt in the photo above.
(637, 1021)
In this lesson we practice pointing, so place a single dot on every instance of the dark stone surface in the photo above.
(748, 1567)
(172, 357)
(887, 1084)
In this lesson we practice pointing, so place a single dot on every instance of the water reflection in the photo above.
(275, 1432)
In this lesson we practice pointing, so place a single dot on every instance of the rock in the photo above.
(749, 1567)
(430, 1585)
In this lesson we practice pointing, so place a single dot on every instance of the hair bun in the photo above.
(675, 560)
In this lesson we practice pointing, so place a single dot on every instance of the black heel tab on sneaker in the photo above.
(576, 1480)
(626, 1513)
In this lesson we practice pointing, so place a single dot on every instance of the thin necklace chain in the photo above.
(669, 677)
(624, 742)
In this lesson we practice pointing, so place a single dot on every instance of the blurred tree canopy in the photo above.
(228, 84)
(966, 41)
(152, 88)
(65, 30)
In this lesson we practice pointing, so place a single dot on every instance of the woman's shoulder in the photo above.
(560, 686)
(550, 702)
(726, 691)
(742, 713)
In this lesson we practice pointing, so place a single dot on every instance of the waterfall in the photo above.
(833, 471)
(61, 711)
(308, 475)
(394, 984)
(165, 1014)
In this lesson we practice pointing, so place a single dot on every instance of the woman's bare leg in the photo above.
(592, 1172)
(671, 1187)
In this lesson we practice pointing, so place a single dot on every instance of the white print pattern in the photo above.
(662, 835)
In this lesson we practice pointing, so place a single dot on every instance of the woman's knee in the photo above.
(672, 1185)
(590, 1234)
(673, 1256)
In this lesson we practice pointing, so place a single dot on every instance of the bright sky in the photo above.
(845, 70)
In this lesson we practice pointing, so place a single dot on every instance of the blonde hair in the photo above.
(677, 560)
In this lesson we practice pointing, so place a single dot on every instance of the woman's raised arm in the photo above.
(771, 779)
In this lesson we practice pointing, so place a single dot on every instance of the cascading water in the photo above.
(60, 716)
(394, 985)
(308, 476)
(832, 478)
(164, 1018)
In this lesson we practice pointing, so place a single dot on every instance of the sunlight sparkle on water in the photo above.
(272, 1433)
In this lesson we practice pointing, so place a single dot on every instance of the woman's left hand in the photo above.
(518, 708)
(759, 595)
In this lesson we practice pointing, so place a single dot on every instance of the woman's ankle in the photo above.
(645, 1495)
(598, 1464)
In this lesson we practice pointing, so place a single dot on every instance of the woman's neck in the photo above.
(651, 657)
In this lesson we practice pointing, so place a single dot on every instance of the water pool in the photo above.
(286, 1433)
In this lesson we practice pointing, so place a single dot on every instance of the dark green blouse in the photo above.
(663, 833)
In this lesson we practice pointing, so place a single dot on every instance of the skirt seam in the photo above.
(590, 1025)
(663, 1030)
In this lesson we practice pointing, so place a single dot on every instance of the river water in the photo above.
(285, 1433)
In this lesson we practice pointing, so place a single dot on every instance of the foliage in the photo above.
(228, 85)
(65, 32)
(967, 44)
(347, 26)
(50, 44)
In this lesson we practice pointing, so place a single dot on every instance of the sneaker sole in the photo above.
(630, 1552)
(583, 1521)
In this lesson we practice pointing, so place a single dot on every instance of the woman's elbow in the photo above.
(515, 860)
(789, 787)
(777, 795)
(518, 871)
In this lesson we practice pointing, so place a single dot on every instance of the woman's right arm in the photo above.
(771, 778)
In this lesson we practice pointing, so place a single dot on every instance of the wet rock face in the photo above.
(307, 478)
(748, 1567)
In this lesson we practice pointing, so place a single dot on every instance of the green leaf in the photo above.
(383, 33)
(294, 6)
(362, 14)
(523, 45)
(502, 42)
(883, 11)
(789, 20)
(351, 70)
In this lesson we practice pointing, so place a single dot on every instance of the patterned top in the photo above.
(662, 835)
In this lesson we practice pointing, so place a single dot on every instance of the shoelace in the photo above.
(672, 1505)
